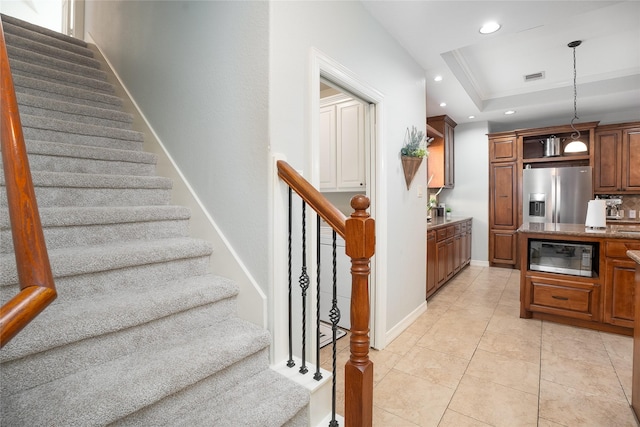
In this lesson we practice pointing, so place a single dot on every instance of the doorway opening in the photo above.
(355, 106)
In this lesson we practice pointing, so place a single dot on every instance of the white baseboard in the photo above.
(478, 263)
(395, 332)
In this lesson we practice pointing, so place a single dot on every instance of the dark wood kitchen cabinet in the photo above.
(617, 159)
(503, 212)
(619, 283)
(448, 252)
(432, 262)
(440, 162)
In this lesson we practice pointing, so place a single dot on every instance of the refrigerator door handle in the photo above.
(553, 196)
(558, 203)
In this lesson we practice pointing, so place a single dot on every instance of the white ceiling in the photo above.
(483, 75)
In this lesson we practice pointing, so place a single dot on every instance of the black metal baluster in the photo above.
(304, 285)
(335, 318)
(290, 362)
(318, 376)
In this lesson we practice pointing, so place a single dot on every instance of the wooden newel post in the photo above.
(360, 244)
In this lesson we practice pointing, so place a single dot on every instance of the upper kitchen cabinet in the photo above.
(617, 159)
(503, 147)
(342, 148)
(441, 153)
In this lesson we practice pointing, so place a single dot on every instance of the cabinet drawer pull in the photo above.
(560, 298)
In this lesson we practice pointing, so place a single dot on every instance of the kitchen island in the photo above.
(448, 250)
(635, 379)
(579, 276)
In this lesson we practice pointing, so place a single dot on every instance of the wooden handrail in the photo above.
(358, 232)
(37, 289)
(312, 197)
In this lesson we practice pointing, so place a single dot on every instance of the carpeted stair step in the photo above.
(23, 32)
(71, 265)
(78, 227)
(77, 189)
(55, 109)
(44, 366)
(57, 157)
(104, 314)
(54, 130)
(30, 57)
(36, 71)
(97, 397)
(245, 404)
(44, 89)
(51, 51)
(41, 30)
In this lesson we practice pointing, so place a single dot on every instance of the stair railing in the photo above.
(358, 232)
(37, 289)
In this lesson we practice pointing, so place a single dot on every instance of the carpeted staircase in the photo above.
(141, 332)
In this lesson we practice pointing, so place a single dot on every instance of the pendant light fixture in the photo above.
(575, 146)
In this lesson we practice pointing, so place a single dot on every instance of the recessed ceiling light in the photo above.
(443, 104)
(508, 113)
(489, 27)
(437, 78)
(472, 117)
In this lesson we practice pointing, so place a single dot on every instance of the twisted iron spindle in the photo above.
(334, 316)
(304, 285)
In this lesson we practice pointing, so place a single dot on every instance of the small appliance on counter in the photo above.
(613, 207)
(596, 214)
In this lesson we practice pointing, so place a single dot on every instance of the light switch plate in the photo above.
(632, 213)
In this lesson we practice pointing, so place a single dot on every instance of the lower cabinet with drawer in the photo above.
(619, 283)
(604, 301)
(575, 299)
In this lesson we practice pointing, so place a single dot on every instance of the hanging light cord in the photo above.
(576, 134)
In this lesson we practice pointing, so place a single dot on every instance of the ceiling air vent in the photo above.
(534, 76)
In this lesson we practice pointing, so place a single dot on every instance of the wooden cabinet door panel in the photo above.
(607, 161)
(442, 262)
(350, 145)
(503, 149)
(503, 195)
(502, 246)
(457, 253)
(451, 256)
(432, 262)
(328, 147)
(631, 160)
(619, 292)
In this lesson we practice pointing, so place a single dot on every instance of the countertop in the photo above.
(634, 255)
(441, 221)
(612, 231)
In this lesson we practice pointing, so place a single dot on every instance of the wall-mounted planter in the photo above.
(410, 166)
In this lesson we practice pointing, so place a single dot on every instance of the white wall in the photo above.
(345, 32)
(225, 85)
(470, 196)
(46, 13)
(199, 72)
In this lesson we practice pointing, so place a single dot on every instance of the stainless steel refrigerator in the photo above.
(556, 195)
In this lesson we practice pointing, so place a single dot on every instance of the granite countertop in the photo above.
(634, 255)
(441, 221)
(612, 231)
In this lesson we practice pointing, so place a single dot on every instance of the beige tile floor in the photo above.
(471, 361)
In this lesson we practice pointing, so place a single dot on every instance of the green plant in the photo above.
(448, 210)
(413, 145)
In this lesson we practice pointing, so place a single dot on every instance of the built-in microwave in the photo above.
(564, 257)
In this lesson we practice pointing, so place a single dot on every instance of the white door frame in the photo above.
(322, 66)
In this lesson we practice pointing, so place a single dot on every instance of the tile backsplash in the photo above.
(631, 202)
